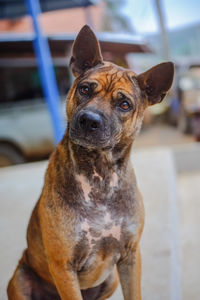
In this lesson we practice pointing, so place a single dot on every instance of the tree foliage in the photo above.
(115, 17)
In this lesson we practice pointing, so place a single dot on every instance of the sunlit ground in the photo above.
(161, 135)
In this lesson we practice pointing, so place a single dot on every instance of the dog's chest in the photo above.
(104, 235)
(106, 226)
(102, 225)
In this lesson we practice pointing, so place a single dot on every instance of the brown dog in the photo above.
(86, 226)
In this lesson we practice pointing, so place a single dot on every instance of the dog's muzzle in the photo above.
(90, 122)
(90, 128)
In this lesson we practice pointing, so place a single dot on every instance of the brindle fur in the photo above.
(86, 227)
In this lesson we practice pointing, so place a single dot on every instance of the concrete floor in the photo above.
(161, 135)
(170, 244)
(189, 212)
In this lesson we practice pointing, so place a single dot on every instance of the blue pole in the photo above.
(46, 70)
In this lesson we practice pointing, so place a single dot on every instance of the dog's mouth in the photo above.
(90, 129)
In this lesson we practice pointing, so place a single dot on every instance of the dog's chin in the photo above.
(90, 142)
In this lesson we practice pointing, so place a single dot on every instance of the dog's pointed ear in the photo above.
(86, 52)
(156, 82)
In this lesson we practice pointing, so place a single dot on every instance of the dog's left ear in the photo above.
(86, 52)
(156, 82)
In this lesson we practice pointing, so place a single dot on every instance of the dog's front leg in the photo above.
(130, 275)
(66, 282)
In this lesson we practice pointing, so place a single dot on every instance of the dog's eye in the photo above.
(84, 90)
(124, 105)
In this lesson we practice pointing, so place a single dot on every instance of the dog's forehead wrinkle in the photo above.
(110, 75)
(112, 85)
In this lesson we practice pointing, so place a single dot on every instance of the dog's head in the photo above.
(106, 103)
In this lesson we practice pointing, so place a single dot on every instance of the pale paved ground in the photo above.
(20, 187)
(189, 202)
(161, 135)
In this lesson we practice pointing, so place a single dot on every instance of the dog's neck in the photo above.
(90, 160)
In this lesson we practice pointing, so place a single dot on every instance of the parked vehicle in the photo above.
(25, 126)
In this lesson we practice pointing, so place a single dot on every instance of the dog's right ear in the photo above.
(86, 52)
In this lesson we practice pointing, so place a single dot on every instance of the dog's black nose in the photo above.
(90, 121)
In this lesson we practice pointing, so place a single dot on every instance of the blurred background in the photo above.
(35, 48)
(134, 34)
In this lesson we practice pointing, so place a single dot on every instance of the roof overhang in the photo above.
(21, 45)
(17, 8)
